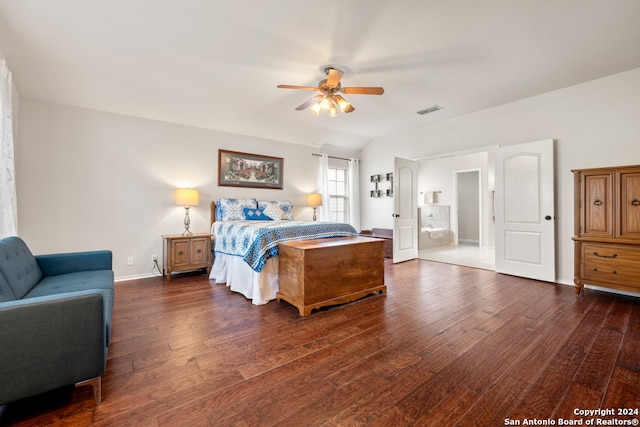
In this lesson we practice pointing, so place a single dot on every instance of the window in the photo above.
(338, 196)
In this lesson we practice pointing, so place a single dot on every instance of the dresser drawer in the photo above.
(615, 264)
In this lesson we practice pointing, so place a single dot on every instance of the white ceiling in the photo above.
(216, 64)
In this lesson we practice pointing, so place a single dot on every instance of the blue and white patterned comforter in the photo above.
(257, 241)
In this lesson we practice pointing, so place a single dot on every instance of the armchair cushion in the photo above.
(18, 266)
(6, 293)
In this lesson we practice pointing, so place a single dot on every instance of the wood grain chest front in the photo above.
(607, 228)
(322, 272)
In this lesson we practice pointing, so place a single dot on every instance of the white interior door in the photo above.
(525, 211)
(405, 210)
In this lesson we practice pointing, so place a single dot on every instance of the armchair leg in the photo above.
(96, 383)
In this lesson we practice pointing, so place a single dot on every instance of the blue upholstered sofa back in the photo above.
(19, 269)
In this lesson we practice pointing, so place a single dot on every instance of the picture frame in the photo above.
(237, 169)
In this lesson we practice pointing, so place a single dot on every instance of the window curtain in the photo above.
(353, 175)
(323, 186)
(8, 203)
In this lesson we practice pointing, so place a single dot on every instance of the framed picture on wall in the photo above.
(237, 169)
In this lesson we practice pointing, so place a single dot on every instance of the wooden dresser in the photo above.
(607, 228)
(323, 272)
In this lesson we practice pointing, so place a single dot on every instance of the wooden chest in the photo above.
(322, 272)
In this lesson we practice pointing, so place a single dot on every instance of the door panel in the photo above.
(525, 226)
(598, 211)
(405, 210)
(630, 205)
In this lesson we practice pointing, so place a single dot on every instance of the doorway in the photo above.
(468, 210)
(462, 181)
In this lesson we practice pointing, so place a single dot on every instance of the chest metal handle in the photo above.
(605, 256)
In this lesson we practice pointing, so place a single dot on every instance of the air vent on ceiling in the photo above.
(430, 110)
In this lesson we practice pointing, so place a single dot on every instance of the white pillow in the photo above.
(233, 209)
(285, 205)
(273, 211)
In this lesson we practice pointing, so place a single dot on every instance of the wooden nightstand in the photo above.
(186, 253)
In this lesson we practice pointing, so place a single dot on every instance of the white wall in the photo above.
(594, 124)
(93, 180)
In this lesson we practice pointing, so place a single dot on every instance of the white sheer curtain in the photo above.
(354, 193)
(323, 186)
(8, 203)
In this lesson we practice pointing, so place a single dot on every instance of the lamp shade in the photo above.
(314, 199)
(186, 197)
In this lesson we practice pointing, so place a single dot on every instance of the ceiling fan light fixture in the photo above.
(329, 99)
(343, 104)
(333, 111)
(325, 103)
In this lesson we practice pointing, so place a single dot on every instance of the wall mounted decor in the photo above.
(237, 169)
(377, 179)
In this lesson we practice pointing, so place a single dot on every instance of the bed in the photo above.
(246, 234)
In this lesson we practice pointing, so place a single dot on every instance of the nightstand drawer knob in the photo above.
(181, 253)
(199, 251)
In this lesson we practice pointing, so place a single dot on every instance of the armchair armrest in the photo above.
(55, 264)
(49, 342)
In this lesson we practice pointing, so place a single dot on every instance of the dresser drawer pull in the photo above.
(181, 253)
(605, 256)
(614, 272)
(199, 251)
(635, 202)
(598, 202)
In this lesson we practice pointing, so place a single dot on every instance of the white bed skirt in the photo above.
(260, 288)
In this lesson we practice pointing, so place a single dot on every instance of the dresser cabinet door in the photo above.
(199, 250)
(630, 205)
(180, 253)
(598, 205)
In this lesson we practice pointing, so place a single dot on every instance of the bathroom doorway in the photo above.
(464, 182)
(468, 210)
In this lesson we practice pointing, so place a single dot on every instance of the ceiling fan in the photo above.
(329, 98)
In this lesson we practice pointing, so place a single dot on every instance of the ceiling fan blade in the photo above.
(309, 102)
(363, 90)
(333, 77)
(297, 87)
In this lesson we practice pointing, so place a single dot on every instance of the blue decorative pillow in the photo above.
(233, 209)
(285, 205)
(251, 214)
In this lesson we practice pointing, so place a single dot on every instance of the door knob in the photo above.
(548, 217)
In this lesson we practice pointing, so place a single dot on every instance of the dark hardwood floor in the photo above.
(448, 345)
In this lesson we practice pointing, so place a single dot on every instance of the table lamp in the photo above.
(186, 197)
(314, 200)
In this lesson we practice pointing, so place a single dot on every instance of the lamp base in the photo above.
(314, 213)
(187, 222)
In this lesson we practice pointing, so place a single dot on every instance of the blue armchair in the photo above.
(55, 319)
